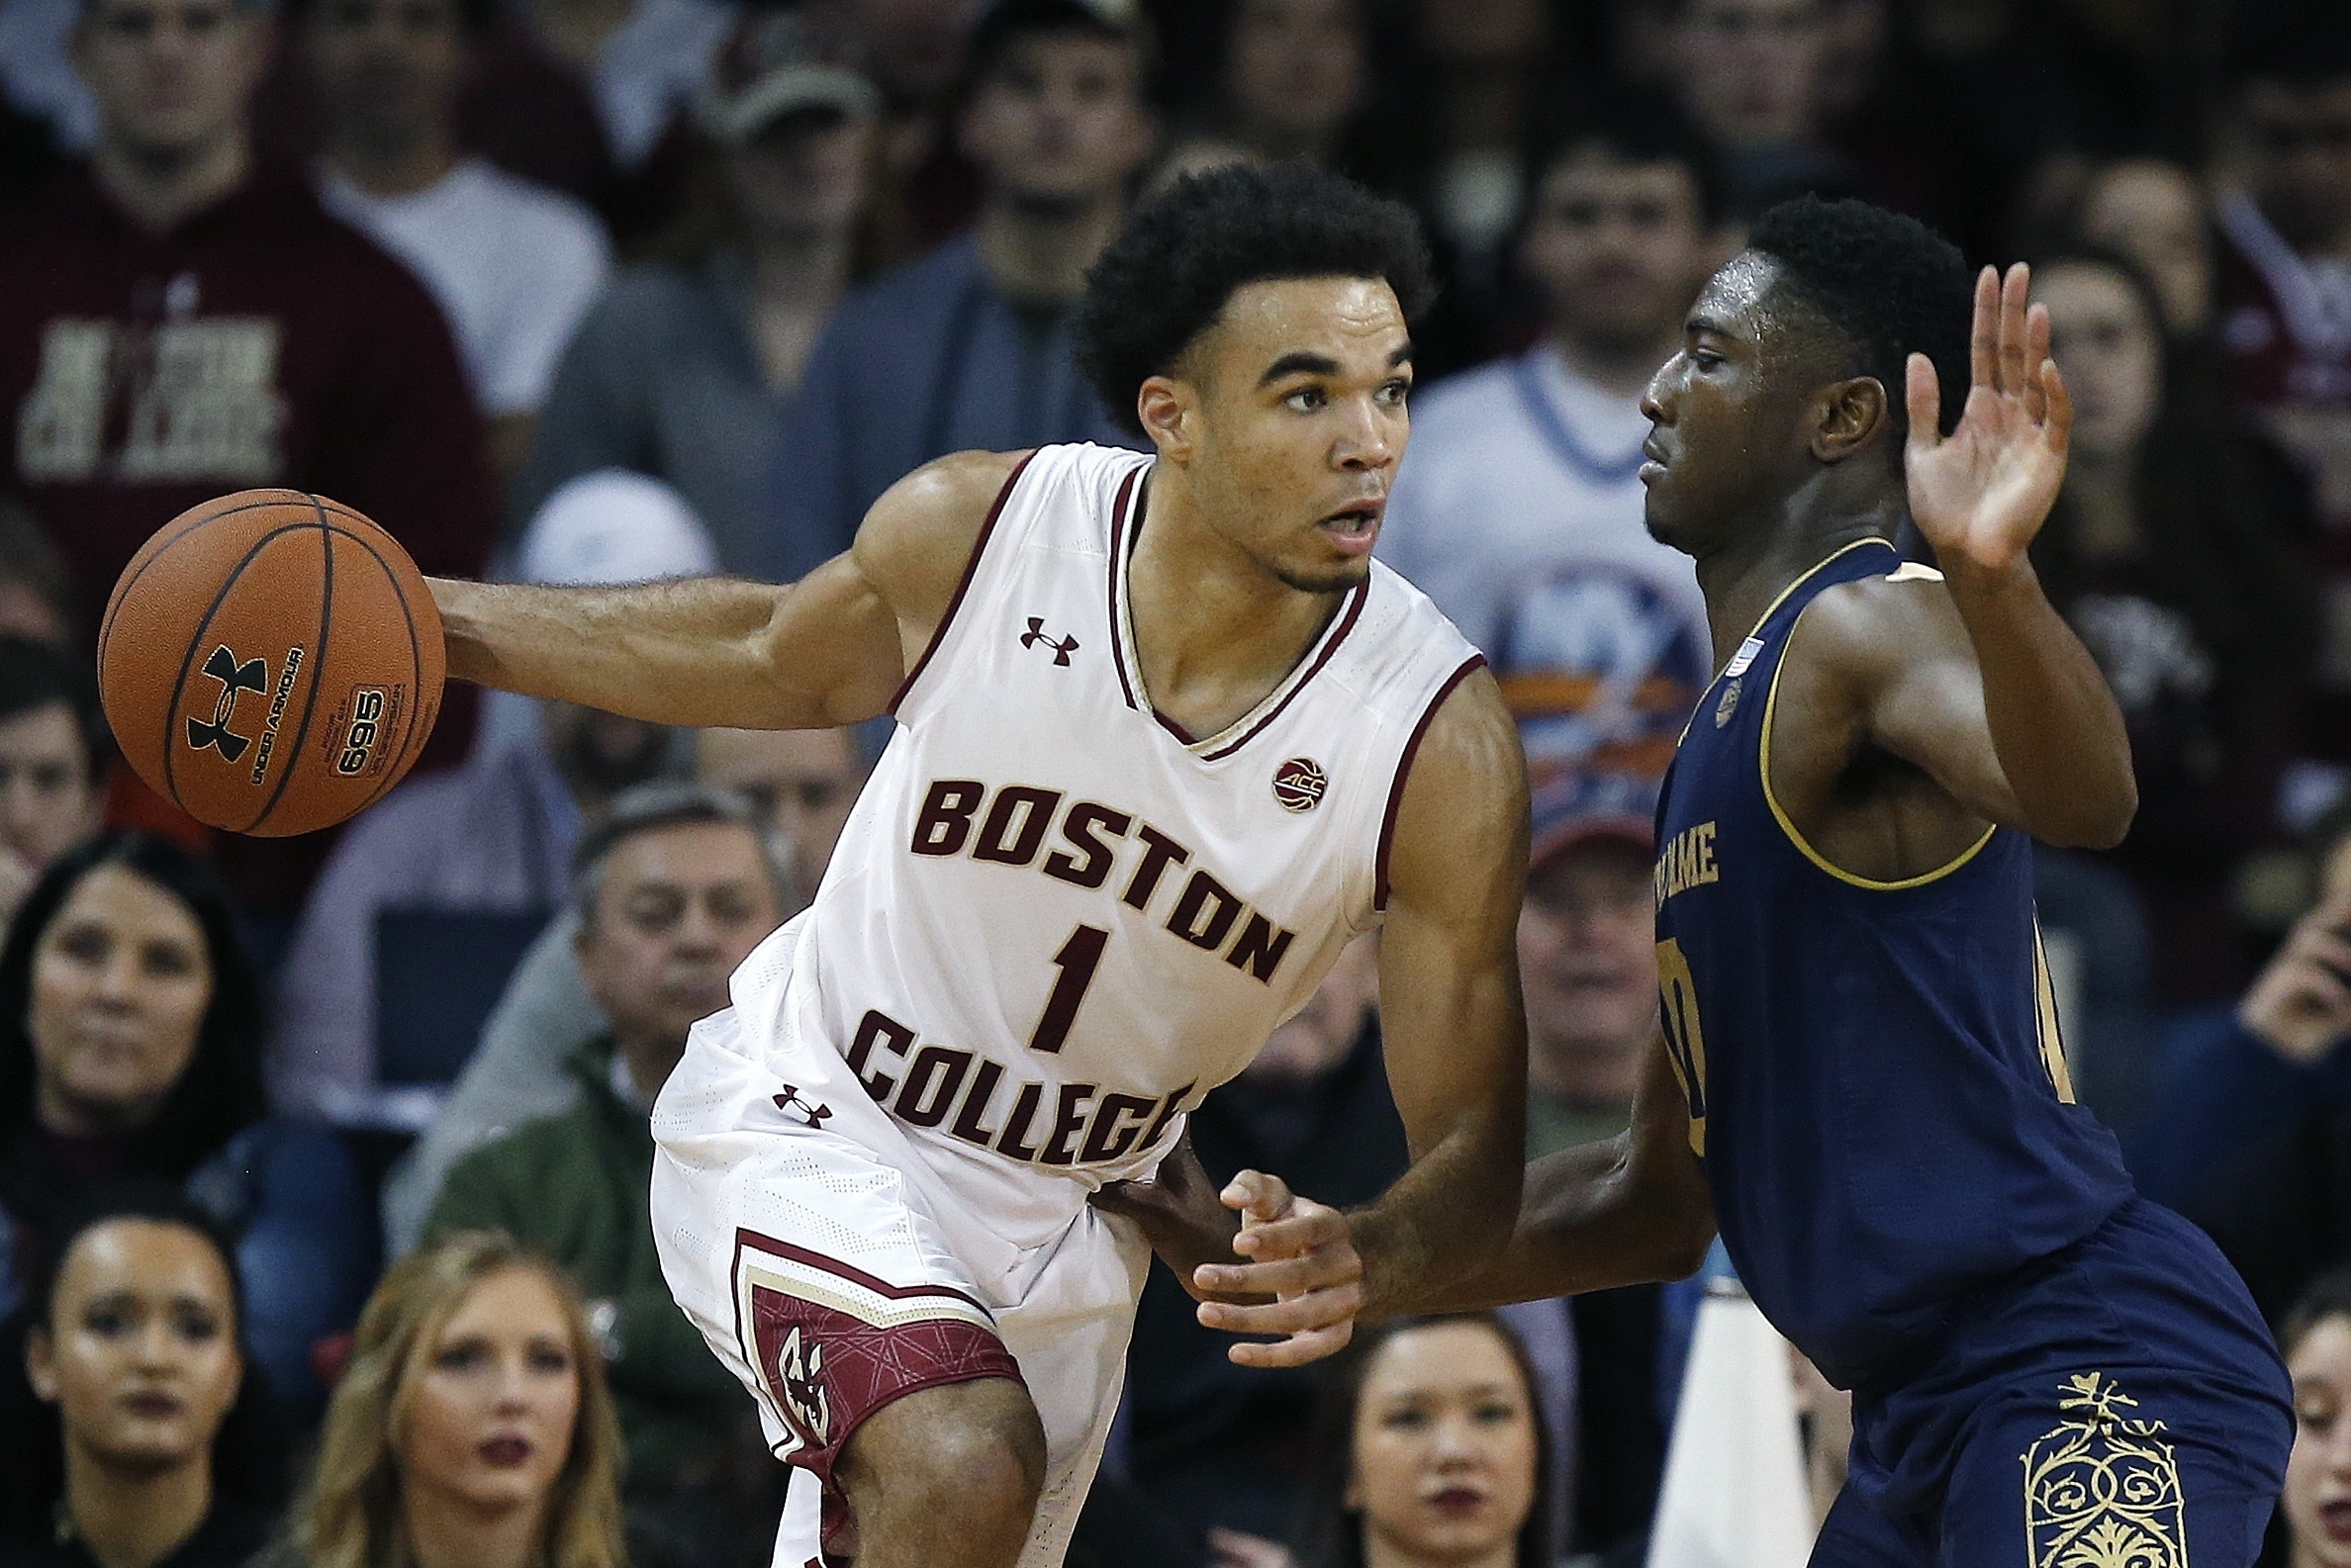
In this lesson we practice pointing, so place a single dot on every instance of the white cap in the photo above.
(615, 526)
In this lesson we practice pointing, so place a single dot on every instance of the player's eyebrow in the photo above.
(1707, 324)
(1299, 362)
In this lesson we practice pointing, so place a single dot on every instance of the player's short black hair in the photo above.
(1168, 275)
(1888, 284)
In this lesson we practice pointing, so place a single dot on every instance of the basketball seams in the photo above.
(292, 757)
(171, 710)
(154, 550)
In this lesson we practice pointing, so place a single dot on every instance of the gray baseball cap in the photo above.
(772, 65)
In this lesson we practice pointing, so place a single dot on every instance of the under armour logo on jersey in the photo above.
(250, 675)
(1035, 637)
(790, 1100)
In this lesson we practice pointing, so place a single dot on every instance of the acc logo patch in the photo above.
(1298, 783)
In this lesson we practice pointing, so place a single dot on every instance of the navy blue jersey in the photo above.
(1876, 1085)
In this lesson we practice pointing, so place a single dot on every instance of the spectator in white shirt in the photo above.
(1532, 464)
(514, 264)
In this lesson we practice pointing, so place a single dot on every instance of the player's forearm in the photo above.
(1587, 1222)
(2055, 726)
(1446, 1218)
(691, 654)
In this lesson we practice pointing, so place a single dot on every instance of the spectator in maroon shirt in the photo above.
(174, 324)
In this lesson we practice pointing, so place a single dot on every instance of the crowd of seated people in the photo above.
(332, 1149)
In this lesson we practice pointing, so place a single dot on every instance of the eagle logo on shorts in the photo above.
(1298, 783)
(799, 1379)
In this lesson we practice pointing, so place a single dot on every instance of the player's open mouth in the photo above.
(1354, 530)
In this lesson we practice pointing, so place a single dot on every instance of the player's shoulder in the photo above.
(1888, 618)
(916, 540)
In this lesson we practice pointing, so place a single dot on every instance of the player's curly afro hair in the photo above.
(1166, 276)
(1889, 284)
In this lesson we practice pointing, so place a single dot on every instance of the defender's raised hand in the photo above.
(1981, 494)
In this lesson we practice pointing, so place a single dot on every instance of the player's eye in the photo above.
(1396, 392)
(1705, 358)
(1306, 399)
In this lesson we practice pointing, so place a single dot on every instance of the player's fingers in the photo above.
(2057, 422)
(1299, 1350)
(1302, 1231)
(1319, 1269)
(2013, 294)
(2036, 360)
(1983, 339)
(1317, 1309)
(1923, 394)
(1258, 1196)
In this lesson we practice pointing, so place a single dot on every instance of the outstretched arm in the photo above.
(2012, 717)
(827, 650)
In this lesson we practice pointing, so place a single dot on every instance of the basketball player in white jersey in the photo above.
(1168, 739)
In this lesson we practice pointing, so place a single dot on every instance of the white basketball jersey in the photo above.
(1055, 921)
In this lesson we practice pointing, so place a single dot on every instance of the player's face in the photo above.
(679, 908)
(140, 1355)
(121, 981)
(171, 77)
(1294, 419)
(2317, 1500)
(1618, 248)
(387, 70)
(1443, 1447)
(1725, 417)
(490, 1403)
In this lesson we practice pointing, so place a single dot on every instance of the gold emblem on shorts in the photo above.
(2103, 1490)
(799, 1377)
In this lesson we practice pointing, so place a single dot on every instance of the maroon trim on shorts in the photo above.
(1395, 800)
(825, 1371)
(962, 587)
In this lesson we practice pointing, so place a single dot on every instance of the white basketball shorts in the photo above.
(830, 1268)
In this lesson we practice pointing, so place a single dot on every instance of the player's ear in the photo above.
(1846, 414)
(1166, 407)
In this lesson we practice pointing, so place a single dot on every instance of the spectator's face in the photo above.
(916, 48)
(1444, 1448)
(1318, 1037)
(2298, 146)
(2317, 1500)
(2110, 352)
(1749, 70)
(48, 800)
(1588, 957)
(803, 782)
(489, 1405)
(601, 754)
(387, 70)
(1288, 419)
(1295, 68)
(1058, 121)
(1618, 248)
(121, 981)
(25, 611)
(2154, 214)
(140, 1355)
(678, 909)
(172, 77)
(804, 176)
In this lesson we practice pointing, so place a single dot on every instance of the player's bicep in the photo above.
(1451, 1016)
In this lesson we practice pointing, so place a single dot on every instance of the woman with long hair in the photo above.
(471, 1428)
(130, 1027)
(1429, 1451)
(2314, 1523)
(140, 1433)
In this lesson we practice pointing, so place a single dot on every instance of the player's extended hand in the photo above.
(1981, 494)
(1299, 1252)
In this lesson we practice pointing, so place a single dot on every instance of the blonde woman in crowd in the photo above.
(471, 1427)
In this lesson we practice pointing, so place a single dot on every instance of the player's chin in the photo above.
(1326, 575)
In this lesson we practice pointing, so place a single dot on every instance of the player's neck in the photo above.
(156, 189)
(1744, 577)
(1621, 370)
(1040, 250)
(1214, 630)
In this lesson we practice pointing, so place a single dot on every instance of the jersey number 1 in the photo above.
(1077, 959)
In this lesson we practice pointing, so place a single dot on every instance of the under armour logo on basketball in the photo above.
(790, 1100)
(1035, 637)
(800, 1374)
(250, 675)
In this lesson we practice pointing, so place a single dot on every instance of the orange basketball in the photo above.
(271, 661)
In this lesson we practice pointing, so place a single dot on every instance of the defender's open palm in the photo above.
(1981, 494)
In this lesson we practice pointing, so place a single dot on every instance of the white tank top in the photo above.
(1055, 921)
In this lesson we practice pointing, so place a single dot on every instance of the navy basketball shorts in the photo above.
(2121, 1404)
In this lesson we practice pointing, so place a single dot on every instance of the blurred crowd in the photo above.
(323, 1161)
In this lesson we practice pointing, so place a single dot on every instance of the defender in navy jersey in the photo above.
(1860, 1076)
